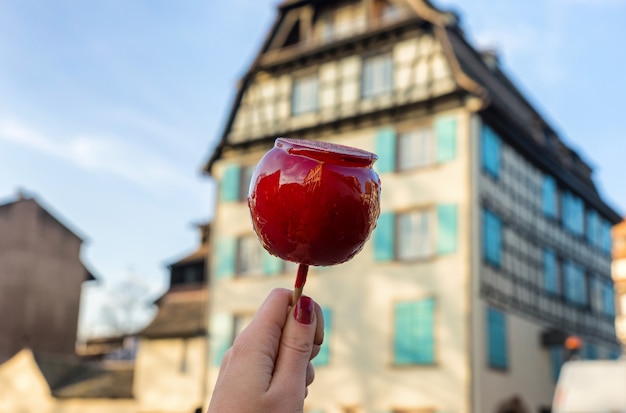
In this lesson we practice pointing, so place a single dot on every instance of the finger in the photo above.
(319, 327)
(255, 350)
(310, 374)
(296, 347)
(316, 351)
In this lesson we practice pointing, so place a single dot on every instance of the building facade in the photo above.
(619, 277)
(493, 244)
(41, 277)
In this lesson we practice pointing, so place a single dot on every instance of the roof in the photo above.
(496, 93)
(25, 199)
(199, 255)
(182, 313)
(71, 377)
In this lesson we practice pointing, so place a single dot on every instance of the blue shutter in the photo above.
(497, 354)
(492, 238)
(447, 234)
(386, 150)
(229, 190)
(384, 237)
(323, 357)
(548, 190)
(225, 257)
(550, 280)
(556, 360)
(490, 150)
(414, 341)
(222, 329)
(446, 131)
(271, 265)
(592, 228)
(591, 351)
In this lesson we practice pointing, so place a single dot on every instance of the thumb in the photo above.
(295, 349)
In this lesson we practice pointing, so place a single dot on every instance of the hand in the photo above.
(268, 368)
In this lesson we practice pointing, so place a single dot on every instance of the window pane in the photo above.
(414, 238)
(377, 75)
(250, 258)
(415, 148)
(304, 95)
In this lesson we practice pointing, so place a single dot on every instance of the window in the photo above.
(490, 150)
(605, 236)
(414, 341)
(551, 276)
(573, 211)
(414, 235)
(595, 293)
(422, 146)
(592, 228)
(608, 299)
(304, 95)
(323, 357)
(415, 148)
(244, 184)
(249, 256)
(549, 197)
(377, 75)
(497, 354)
(492, 238)
(575, 283)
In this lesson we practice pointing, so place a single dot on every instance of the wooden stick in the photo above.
(303, 270)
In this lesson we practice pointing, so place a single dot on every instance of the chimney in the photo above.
(490, 58)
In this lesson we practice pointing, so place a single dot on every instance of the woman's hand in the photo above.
(268, 368)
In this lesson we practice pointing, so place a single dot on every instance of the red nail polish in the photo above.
(303, 312)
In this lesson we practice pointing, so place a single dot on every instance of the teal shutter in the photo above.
(323, 357)
(271, 265)
(386, 150)
(226, 257)
(414, 341)
(447, 234)
(497, 354)
(556, 360)
(446, 131)
(229, 191)
(222, 328)
(384, 237)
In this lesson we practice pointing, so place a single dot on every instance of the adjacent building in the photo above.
(493, 244)
(619, 277)
(172, 358)
(41, 278)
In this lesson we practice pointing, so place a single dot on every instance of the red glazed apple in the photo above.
(314, 203)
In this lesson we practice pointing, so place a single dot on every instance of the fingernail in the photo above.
(303, 312)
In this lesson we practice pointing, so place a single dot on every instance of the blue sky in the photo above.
(109, 108)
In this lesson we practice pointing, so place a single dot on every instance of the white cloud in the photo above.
(108, 155)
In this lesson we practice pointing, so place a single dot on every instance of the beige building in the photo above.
(619, 277)
(493, 243)
(161, 369)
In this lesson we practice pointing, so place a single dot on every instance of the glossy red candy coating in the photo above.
(314, 203)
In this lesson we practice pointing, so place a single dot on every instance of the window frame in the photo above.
(431, 221)
(295, 102)
(376, 91)
(241, 272)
